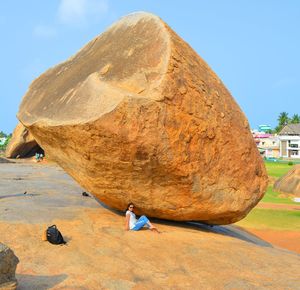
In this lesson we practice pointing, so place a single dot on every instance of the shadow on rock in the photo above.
(235, 232)
(228, 230)
(19, 195)
(26, 282)
(4, 160)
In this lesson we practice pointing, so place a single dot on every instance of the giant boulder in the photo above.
(136, 115)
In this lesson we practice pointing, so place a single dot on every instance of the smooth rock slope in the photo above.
(136, 115)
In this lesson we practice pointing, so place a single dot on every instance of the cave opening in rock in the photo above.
(35, 149)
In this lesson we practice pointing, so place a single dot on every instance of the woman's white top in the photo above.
(132, 220)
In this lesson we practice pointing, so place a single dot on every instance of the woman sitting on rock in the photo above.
(133, 224)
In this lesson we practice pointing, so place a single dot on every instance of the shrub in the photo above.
(290, 163)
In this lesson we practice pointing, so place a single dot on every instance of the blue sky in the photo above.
(253, 46)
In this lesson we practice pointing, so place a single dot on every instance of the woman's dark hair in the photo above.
(128, 205)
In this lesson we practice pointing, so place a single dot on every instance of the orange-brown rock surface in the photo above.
(136, 115)
(290, 182)
(21, 144)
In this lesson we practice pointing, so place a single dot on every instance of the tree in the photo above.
(270, 131)
(283, 119)
(8, 137)
(7, 141)
(295, 119)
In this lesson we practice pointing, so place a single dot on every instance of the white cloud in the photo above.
(81, 12)
(44, 31)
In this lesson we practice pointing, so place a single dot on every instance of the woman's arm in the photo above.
(127, 222)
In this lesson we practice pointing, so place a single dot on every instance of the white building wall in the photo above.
(293, 146)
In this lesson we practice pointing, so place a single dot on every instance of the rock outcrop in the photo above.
(290, 182)
(22, 143)
(136, 115)
(8, 265)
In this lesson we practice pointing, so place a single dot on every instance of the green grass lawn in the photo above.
(277, 170)
(272, 219)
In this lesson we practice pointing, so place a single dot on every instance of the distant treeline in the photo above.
(284, 119)
(2, 134)
(7, 136)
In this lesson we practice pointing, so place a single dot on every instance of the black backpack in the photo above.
(54, 236)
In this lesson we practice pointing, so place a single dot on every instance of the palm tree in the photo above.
(283, 119)
(295, 119)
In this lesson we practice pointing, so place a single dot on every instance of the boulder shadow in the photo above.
(225, 230)
(238, 233)
(41, 282)
(118, 212)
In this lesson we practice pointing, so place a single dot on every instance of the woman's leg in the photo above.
(142, 221)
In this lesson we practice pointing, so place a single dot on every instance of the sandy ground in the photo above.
(101, 255)
(288, 239)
